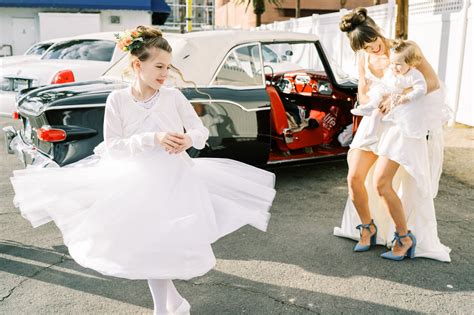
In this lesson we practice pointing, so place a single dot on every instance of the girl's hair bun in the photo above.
(149, 32)
(351, 20)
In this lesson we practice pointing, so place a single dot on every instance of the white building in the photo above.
(26, 22)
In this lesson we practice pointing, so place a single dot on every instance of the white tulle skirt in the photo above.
(417, 145)
(153, 216)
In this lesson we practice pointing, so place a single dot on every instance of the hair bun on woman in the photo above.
(149, 32)
(351, 20)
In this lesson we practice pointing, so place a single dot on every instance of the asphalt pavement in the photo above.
(296, 267)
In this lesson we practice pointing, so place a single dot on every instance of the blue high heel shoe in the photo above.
(373, 238)
(410, 252)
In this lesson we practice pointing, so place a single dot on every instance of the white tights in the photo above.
(165, 296)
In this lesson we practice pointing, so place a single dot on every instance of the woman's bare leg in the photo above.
(385, 170)
(360, 162)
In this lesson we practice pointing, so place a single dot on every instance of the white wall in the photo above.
(437, 27)
(65, 24)
(6, 23)
(465, 112)
(56, 25)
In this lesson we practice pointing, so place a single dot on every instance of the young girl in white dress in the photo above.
(393, 177)
(141, 208)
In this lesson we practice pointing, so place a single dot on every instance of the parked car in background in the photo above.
(33, 53)
(266, 97)
(75, 59)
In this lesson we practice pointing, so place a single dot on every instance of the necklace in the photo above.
(148, 100)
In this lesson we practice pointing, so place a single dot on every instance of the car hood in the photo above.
(35, 101)
(44, 70)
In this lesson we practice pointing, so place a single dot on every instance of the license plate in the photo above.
(20, 84)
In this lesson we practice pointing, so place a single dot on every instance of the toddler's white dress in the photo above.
(134, 211)
(414, 139)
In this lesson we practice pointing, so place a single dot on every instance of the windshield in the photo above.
(89, 49)
(38, 49)
(341, 76)
(281, 57)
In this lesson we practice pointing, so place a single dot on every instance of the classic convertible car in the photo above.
(267, 98)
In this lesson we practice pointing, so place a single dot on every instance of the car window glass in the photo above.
(38, 49)
(290, 57)
(98, 50)
(242, 67)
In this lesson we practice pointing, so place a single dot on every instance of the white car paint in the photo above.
(42, 71)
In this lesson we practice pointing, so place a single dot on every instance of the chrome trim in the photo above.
(19, 77)
(9, 133)
(75, 106)
(205, 100)
(28, 154)
(233, 87)
(305, 159)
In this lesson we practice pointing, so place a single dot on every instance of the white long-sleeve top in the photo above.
(130, 128)
(396, 84)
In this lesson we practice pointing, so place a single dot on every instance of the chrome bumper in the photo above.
(26, 153)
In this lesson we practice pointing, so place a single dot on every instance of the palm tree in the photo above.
(258, 7)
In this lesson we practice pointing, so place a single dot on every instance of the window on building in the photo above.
(114, 19)
(202, 14)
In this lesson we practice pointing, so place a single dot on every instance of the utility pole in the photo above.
(189, 15)
(182, 16)
(298, 9)
(401, 30)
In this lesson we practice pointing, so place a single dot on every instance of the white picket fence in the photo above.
(442, 28)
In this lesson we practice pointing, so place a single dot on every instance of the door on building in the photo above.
(24, 34)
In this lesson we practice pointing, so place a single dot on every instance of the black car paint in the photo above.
(79, 110)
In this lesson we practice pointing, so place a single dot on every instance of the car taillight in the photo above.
(16, 115)
(50, 135)
(63, 76)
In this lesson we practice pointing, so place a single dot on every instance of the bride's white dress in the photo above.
(134, 211)
(415, 141)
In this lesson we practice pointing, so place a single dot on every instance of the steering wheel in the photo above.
(272, 75)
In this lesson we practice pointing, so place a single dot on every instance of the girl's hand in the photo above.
(185, 144)
(385, 105)
(173, 142)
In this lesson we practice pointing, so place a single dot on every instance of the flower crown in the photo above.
(129, 40)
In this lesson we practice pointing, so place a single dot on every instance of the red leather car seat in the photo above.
(304, 138)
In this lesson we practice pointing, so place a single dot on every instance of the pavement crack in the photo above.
(10, 292)
(248, 289)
